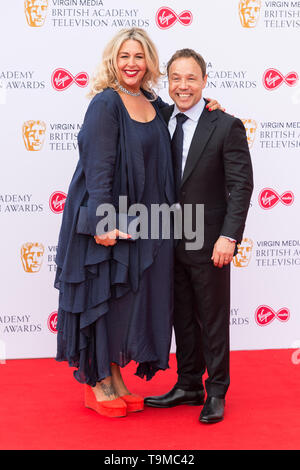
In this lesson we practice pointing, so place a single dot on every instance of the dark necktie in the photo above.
(177, 146)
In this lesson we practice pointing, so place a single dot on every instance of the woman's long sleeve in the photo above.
(98, 146)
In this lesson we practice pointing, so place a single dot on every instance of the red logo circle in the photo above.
(62, 79)
(57, 202)
(52, 322)
(166, 17)
(264, 315)
(272, 79)
(269, 198)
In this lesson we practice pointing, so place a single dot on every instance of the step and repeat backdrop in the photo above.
(50, 49)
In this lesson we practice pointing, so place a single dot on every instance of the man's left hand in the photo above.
(223, 252)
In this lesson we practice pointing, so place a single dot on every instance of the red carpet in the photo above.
(42, 408)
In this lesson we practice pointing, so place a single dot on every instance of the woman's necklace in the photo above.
(127, 91)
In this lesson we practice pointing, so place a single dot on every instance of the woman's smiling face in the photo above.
(131, 64)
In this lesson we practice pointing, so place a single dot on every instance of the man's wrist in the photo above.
(228, 238)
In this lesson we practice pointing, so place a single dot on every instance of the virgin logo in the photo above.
(269, 198)
(272, 79)
(166, 17)
(52, 322)
(57, 202)
(264, 315)
(62, 79)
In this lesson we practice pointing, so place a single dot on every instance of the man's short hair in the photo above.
(187, 53)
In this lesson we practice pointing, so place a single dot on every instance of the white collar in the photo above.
(194, 112)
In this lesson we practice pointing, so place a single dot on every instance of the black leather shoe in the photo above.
(213, 410)
(176, 397)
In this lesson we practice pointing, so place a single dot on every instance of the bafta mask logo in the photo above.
(249, 11)
(34, 135)
(250, 126)
(35, 12)
(32, 256)
(243, 256)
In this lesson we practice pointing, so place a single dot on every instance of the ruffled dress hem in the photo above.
(145, 370)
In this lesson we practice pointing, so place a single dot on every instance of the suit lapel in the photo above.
(167, 113)
(202, 134)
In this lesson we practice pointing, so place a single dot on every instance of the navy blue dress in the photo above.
(116, 303)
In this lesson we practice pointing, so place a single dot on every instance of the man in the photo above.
(216, 171)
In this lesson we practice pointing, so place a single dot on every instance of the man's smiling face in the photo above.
(186, 82)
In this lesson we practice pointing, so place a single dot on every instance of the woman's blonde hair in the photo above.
(107, 73)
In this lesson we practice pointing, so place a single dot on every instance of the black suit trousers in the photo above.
(201, 323)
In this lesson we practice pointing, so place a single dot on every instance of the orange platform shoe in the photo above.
(112, 408)
(133, 402)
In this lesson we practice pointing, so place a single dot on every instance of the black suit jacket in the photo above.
(218, 173)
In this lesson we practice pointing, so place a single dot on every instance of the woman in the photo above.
(115, 300)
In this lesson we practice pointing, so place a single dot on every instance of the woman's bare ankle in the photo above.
(117, 381)
(105, 390)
